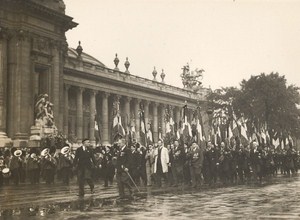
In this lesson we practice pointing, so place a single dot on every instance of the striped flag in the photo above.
(149, 134)
(199, 130)
(143, 132)
(118, 129)
(186, 127)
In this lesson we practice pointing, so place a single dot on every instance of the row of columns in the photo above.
(105, 114)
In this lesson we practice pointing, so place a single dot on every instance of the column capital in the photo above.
(155, 104)
(127, 98)
(67, 87)
(171, 107)
(80, 89)
(162, 105)
(93, 92)
(146, 102)
(117, 97)
(137, 100)
(105, 94)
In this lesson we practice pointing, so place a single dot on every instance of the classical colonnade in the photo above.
(84, 103)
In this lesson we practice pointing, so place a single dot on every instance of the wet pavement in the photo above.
(275, 199)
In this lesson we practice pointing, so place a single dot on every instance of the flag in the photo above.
(118, 129)
(235, 129)
(177, 131)
(170, 126)
(230, 134)
(214, 137)
(186, 127)
(96, 126)
(143, 133)
(218, 135)
(199, 130)
(291, 140)
(149, 137)
(263, 136)
(276, 142)
(244, 131)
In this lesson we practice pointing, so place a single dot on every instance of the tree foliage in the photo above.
(265, 101)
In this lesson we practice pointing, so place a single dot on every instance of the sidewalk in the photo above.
(27, 195)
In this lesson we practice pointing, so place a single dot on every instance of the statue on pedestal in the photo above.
(44, 118)
(44, 111)
(192, 79)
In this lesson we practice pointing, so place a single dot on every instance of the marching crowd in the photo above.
(176, 164)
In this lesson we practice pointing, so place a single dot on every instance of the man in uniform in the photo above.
(85, 162)
(177, 163)
(123, 164)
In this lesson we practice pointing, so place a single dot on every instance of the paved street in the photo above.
(276, 199)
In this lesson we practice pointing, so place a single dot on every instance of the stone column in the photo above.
(163, 123)
(79, 114)
(92, 116)
(66, 109)
(155, 122)
(177, 115)
(137, 119)
(127, 112)
(105, 136)
(3, 90)
(190, 111)
(146, 112)
(20, 97)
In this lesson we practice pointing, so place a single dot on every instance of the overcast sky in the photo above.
(230, 40)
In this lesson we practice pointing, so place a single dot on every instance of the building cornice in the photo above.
(40, 10)
(133, 84)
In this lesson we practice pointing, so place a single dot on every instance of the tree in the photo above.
(268, 103)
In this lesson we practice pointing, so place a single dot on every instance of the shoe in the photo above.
(92, 191)
(80, 195)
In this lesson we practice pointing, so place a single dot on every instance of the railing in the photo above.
(136, 80)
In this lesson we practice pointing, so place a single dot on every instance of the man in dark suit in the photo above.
(84, 161)
(123, 164)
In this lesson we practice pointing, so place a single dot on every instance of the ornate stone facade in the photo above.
(34, 59)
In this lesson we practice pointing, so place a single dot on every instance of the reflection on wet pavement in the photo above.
(275, 200)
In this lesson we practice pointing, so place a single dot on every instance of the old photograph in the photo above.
(149, 109)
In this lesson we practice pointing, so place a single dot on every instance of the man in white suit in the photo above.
(161, 162)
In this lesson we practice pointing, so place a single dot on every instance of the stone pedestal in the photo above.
(37, 132)
(4, 140)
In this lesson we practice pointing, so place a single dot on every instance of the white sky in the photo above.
(230, 40)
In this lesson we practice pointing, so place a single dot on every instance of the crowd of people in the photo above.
(157, 164)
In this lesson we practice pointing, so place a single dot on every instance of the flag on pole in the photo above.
(118, 129)
(244, 131)
(230, 134)
(291, 140)
(143, 133)
(263, 135)
(276, 142)
(186, 127)
(235, 129)
(177, 131)
(199, 130)
(170, 126)
(218, 135)
(149, 134)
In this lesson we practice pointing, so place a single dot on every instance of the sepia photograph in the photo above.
(149, 109)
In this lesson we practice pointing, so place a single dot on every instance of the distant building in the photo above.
(35, 59)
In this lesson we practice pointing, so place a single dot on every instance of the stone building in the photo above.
(35, 59)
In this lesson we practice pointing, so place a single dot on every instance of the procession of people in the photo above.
(133, 165)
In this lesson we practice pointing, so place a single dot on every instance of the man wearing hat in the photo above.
(2, 166)
(15, 165)
(123, 166)
(65, 164)
(84, 161)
